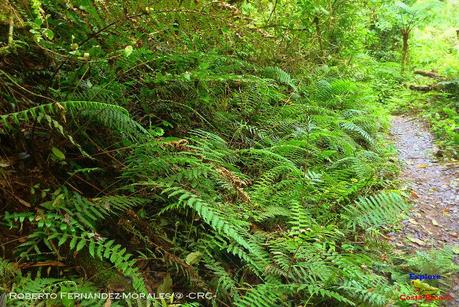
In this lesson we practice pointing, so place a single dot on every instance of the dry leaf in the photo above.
(417, 241)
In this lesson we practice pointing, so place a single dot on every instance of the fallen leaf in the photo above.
(413, 222)
(417, 241)
(422, 165)
(434, 222)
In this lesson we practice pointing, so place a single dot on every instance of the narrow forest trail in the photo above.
(433, 220)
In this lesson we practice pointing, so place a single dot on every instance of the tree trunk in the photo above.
(424, 88)
(405, 48)
(319, 35)
(10, 31)
(429, 74)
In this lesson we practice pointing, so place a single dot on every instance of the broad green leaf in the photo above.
(73, 242)
(128, 50)
(81, 244)
(49, 34)
(92, 246)
(193, 258)
(58, 153)
(63, 239)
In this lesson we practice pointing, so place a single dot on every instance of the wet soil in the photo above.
(433, 221)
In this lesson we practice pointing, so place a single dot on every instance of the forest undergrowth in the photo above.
(233, 149)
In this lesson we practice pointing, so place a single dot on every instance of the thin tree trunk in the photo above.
(405, 49)
(272, 11)
(319, 35)
(10, 31)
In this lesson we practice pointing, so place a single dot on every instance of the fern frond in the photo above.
(353, 128)
(262, 295)
(281, 76)
(300, 219)
(208, 213)
(113, 116)
(376, 210)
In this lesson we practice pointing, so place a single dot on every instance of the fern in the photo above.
(224, 164)
(281, 76)
(364, 294)
(353, 128)
(261, 295)
(206, 211)
(375, 211)
(113, 116)
(300, 220)
(71, 219)
(225, 282)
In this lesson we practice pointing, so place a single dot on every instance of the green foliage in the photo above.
(435, 49)
(376, 210)
(69, 218)
(435, 262)
(112, 116)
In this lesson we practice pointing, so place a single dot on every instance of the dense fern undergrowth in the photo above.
(183, 147)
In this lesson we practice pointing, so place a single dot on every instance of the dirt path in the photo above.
(434, 218)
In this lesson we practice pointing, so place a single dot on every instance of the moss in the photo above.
(8, 274)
